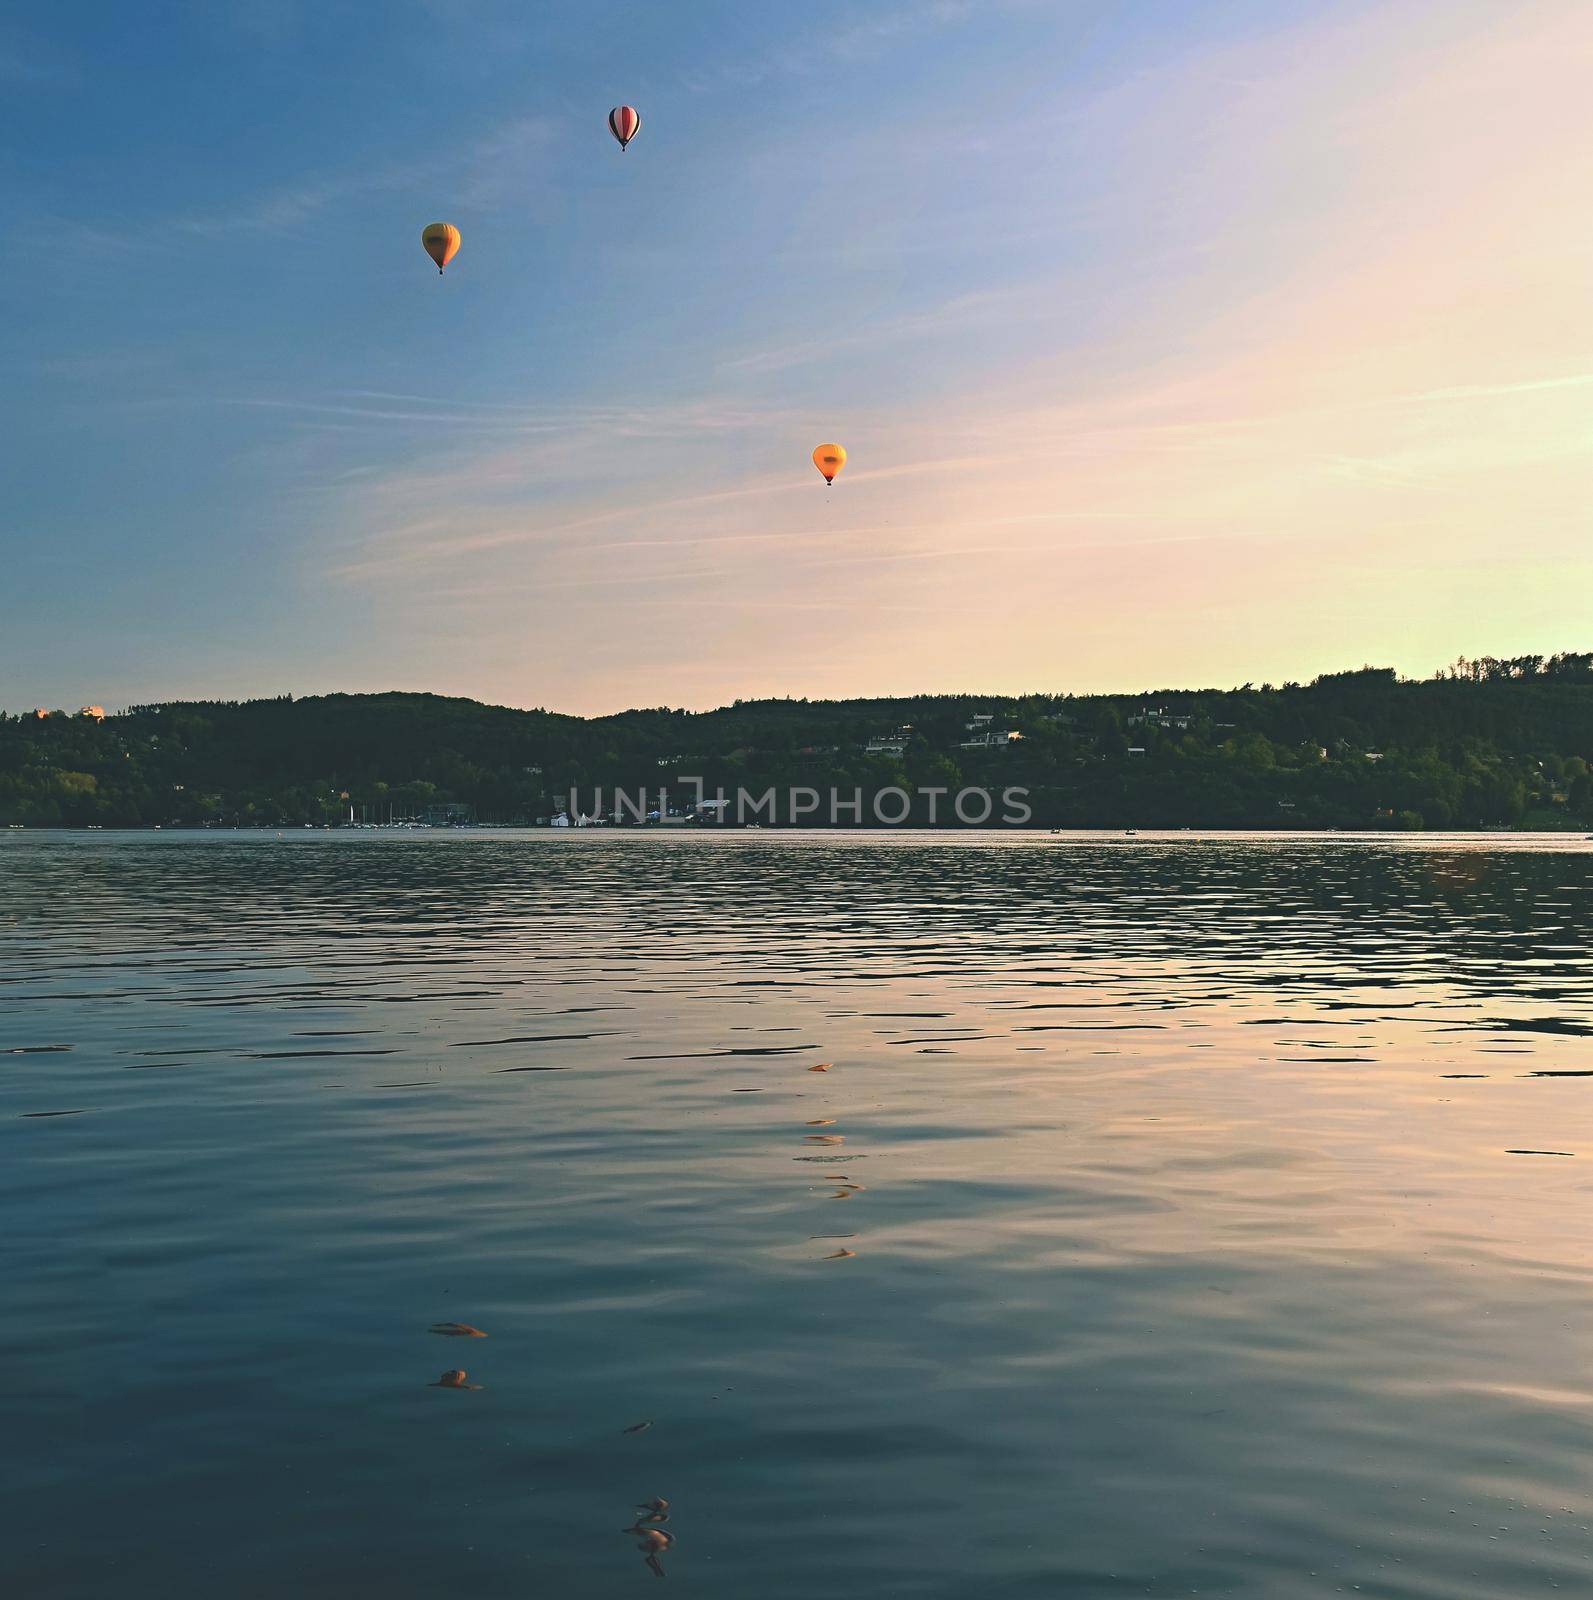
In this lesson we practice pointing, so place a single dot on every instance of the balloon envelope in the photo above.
(623, 121)
(829, 459)
(441, 242)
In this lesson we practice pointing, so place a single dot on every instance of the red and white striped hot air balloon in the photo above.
(623, 121)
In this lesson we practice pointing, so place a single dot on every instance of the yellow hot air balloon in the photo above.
(829, 459)
(441, 242)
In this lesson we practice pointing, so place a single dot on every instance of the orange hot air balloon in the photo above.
(623, 122)
(441, 242)
(829, 459)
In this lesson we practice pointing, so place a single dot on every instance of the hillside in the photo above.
(1486, 743)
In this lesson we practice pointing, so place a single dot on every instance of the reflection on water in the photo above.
(1216, 1215)
(652, 1539)
(455, 1379)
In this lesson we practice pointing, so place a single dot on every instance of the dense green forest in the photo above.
(1485, 743)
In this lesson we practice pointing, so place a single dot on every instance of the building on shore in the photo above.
(983, 734)
(1160, 717)
(893, 743)
(448, 814)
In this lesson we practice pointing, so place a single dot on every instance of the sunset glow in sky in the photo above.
(1172, 344)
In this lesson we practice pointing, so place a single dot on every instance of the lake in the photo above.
(1180, 1214)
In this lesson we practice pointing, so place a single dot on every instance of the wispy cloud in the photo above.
(33, 63)
(511, 163)
(476, 422)
(593, 424)
(809, 48)
(962, 316)
(503, 165)
(885, 26)
(293, 205)
(264, 22)
(1489, 391)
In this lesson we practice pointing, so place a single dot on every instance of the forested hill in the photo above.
(1486, 743)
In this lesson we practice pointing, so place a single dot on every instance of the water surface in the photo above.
(1216, 1214)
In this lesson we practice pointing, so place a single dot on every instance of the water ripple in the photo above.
(1189, 1236)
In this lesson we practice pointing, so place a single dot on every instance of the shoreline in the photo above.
(1125, 834)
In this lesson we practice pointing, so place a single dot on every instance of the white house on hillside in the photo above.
(983, 734)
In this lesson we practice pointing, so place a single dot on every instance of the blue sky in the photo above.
(1173, 343)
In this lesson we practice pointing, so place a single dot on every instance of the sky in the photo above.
(1173, 344)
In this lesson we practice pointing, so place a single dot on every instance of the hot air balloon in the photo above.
(623, 121)
(829, 459)
(441, 242)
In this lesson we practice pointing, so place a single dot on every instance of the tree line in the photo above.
(1484, 743)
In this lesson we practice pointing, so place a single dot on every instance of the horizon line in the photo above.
(1436, 675)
